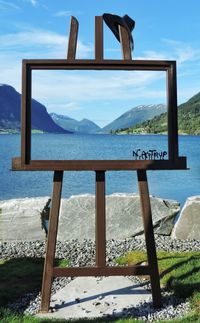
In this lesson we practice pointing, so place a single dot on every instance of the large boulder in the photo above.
(188, 223)
(20, 219)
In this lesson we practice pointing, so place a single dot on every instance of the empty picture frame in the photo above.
(24, 162)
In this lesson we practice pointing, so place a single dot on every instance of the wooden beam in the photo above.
(100, 224)
(51, 241)
(26, 114)
(149, 237)
(99, 38)
(172, 112)
(98, 165)
(72, 41)
(100, 271)
(125, 43)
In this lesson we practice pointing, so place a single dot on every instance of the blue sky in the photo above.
(39, 29)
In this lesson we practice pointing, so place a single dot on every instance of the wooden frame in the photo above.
(26, 163)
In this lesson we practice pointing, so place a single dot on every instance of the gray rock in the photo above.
(188, 223)
(20, 218)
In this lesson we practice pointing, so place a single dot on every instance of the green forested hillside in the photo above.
(188, 120)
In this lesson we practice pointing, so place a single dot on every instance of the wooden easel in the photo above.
(50, 271)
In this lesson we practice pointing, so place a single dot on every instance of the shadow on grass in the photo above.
(184, 276)
(19, 276)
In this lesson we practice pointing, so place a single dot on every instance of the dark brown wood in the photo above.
(51, 241)
(100, 224)
(98, 165)
(100, 271)
(104, 64)
(125, 43)
(149, 237)
(172, 112)
(72, 41)
(98, 38)
(26, 115)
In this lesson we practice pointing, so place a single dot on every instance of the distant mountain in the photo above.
(83, 126)
(10, 110)
(136, 115)
(188, 120)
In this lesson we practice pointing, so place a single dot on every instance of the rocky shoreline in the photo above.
(83, 253)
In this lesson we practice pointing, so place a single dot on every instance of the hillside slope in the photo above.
(134, 116)
(10, 111)
(83, 126)
(188, 120)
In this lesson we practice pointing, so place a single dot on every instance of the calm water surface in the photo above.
(166, 184)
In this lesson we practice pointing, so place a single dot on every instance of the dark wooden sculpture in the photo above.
(25, 163)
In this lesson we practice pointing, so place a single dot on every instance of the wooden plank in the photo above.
(100, 224)
(149, 237)
(98, 38)
(26, 114)
(72, 41)
(100, 271)
(105, 64)
(125, 43)
(172, 112)
(51, 241)
(98, 165)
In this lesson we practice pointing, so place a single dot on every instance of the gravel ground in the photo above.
(83, 253)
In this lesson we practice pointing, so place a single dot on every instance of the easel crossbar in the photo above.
(101, 271)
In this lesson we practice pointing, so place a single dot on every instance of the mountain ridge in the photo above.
(10, 113)
(82, 126)
(188, 120)
(134, 116)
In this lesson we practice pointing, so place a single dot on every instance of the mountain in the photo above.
(135, 115)
(188, 120)
(10, 111)
(83, 126)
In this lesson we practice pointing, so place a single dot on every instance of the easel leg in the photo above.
(149, 237)
(51, 241)
(100, 220)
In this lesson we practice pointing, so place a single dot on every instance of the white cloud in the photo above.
(42, 43)
(67, 13)
(69, 91)
(33, 2)
(182, 51)
(34, 43)
(174, 50)
(8, 5)
(64, 13)
(73, 89)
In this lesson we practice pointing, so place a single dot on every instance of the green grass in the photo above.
(179, 272)
(19, 276)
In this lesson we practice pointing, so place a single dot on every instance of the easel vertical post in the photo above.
(149, 237)
(73, 35)
(100, 224)
(26, 114)
(172, 112)
(51, 241)
(98, 38)
(125, 43)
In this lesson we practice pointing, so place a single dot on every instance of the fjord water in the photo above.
(166, 184)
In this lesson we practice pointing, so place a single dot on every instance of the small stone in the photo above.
(77, 300)
(106, 303)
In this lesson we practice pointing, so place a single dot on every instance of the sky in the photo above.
(38, 29)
